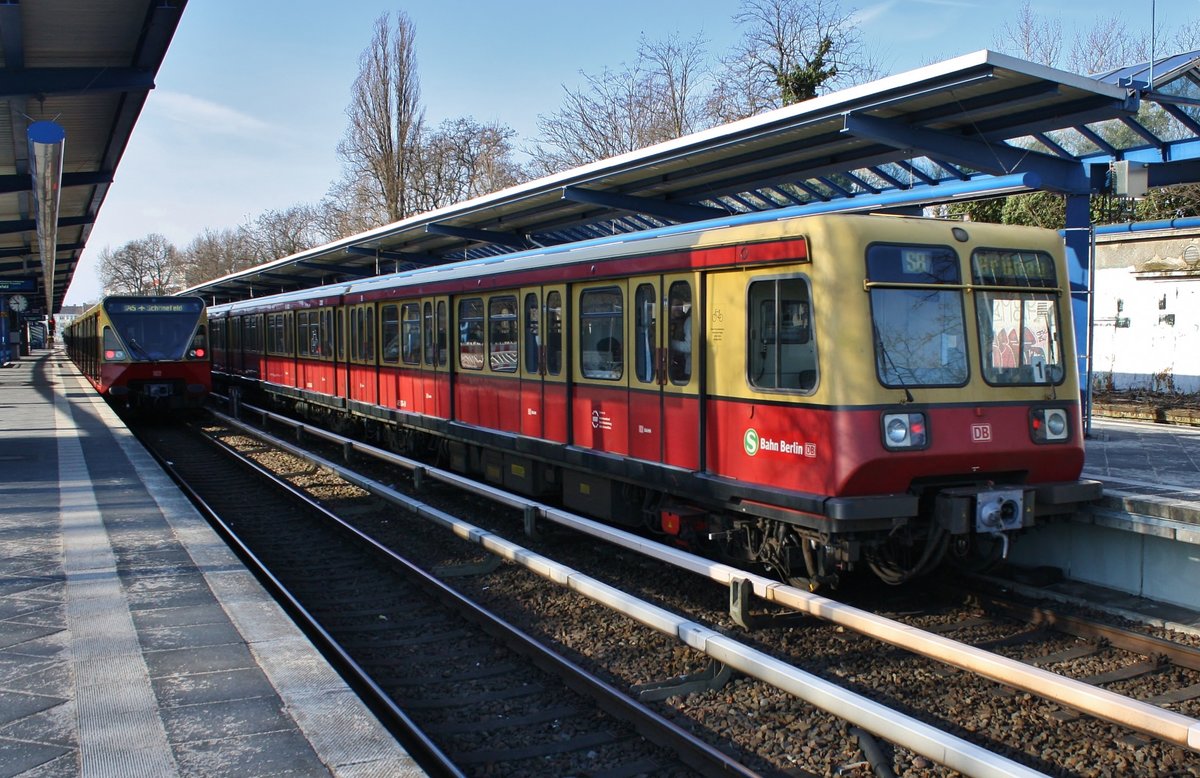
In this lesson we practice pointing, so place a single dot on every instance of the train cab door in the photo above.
(435, 357)
(664, 387)
(543, 379)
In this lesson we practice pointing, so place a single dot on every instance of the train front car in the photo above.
(154, 352)
(908, 394)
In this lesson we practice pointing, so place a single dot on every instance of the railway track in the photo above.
(466, 691)
(760, 719)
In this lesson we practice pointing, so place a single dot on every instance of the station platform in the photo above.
(132, 640)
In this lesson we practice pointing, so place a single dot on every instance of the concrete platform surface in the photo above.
(132, 641)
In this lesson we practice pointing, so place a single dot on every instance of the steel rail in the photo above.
(692, 751)
(420, 747)
(1137, 715)
(897, 727)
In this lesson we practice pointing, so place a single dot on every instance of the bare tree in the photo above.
(463, 159)
(386, 118)
(651, 101)
(791, 50)
(1107, 45)
(276, 234)
(150, 265)
(213, 254)
(1032, 37)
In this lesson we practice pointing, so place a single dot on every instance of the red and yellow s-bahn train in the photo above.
(144, 352)
(814, 394)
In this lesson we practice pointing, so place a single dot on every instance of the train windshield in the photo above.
(154, 328)
(1019, 334)
(917, 316)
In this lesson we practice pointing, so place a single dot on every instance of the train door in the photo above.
(360, 342)
(600, 381)
(664, 404)
(543, 379)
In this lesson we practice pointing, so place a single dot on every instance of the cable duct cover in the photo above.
(46, 142)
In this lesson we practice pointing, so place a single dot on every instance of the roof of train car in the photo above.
(667, 239)
(978, 125)
(88, 67)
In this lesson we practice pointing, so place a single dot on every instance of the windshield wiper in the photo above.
(888, 358)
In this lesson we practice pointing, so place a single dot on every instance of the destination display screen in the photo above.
(152, 305)
(1013, 268)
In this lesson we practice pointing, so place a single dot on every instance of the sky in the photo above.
(250, 101)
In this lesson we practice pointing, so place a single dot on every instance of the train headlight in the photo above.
(904, 431)
(1049, 425)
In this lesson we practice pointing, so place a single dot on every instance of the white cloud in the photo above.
(196, 112)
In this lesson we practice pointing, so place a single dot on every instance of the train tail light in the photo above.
(905, 431)
(1047, 425)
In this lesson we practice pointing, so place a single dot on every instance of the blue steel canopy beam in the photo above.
(678, 212)
(39, 82)
(1145, 134)
(1054, 147)
(995, 158)
(1182, 117)
(397, 256)
(1099, 142)
(28, 225)
(916, 172)
(357, 272)
(478, 236)
(20, 183)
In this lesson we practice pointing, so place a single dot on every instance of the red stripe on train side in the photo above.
(841, 452)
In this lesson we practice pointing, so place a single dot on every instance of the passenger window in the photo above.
(442, 327)
(389, 316)
(554, 333)
(679, 363)
(644, 332)
(411, 334)
(427, 322)
(502, 334)
(601, 333)
(470, 334)
(532, 334)
(781, 349)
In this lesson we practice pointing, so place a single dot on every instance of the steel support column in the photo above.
(1078, 237)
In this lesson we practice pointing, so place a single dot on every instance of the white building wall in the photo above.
(1146, 333)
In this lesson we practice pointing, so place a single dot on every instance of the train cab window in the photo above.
(389, 333)
(1019, 336)
(917, 315)
(782, 353)
(644, 332)
(679, 303)
(502, 334)
(470, 334)
(554, 333)
(533, 335)
(410, 324)
(602, 333)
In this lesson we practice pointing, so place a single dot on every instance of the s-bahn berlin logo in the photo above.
(750, 441)
(753, 443)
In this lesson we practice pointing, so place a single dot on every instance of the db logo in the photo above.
(981, 433)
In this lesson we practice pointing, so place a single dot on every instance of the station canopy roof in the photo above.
(87, 67)
(979, 125)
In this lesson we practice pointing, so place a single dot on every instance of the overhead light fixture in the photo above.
(46, 142)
